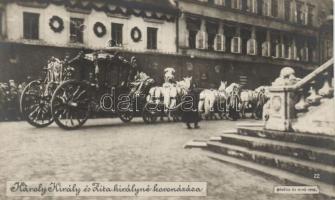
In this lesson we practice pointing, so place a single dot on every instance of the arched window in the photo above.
(252, 6)
(236, 44)
(292, 51)
(236, 4)
(201, 40)
(280, 50)
(219, 2)
(220, 42)
(252, 47)
(266, 7)
(304, 53)
(266, 49)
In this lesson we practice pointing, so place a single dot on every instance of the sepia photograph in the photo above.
(167, 100)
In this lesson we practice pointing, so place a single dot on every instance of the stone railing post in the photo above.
(280, 109)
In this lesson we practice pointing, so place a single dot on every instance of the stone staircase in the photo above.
(297, 158)
(296, 143)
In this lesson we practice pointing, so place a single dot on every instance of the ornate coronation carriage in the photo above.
(36, 96)
(96, 82)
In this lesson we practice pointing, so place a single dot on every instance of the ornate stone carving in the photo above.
(326, 90)
(286, 77)
(313, 98)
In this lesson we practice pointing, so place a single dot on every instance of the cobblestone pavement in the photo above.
(108, 150)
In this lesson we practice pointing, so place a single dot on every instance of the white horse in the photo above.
(155, 95)
(209, 100)
(184, 85)
(254, 100)
(232, 87)
(172, 92)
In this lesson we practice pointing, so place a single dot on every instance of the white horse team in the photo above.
(212, 102)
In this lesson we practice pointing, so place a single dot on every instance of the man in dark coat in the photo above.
(189, 107)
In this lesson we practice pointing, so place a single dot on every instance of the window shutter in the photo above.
(251, 47)
(266, 49)
(219, 2)
(305, 15)
(304, 54)
(236, 45)
(223, 43)
(205, 42)
(254, 7)
(201, 40)
(277, 51)
(292, 52)
(219, 42)
(282, 50)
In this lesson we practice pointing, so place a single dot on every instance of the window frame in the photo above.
(1, 23)
(117, 34)
(274, 10)
(287, 10)
(33, 32)
(78, 35)
(152, 38)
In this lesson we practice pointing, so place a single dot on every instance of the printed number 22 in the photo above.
(317, 176)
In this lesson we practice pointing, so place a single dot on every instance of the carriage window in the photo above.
(151, 38)
(76, 30)
(116, 34)
(30, 25)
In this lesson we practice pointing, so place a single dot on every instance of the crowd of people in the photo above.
(10, 93)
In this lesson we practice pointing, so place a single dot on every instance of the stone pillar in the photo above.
(280, 109)
(221, 29)
(238, 31)
(253, 32)
(282, 45)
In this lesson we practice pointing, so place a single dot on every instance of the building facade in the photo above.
(244, 41)
(33, 31)
(249, 41)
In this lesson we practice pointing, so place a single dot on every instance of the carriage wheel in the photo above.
(126, 116)
(35, 104)
(70, 104)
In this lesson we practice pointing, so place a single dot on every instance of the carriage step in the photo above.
(308, 169)
(278, 174)
(305, 152)
(316, 140)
